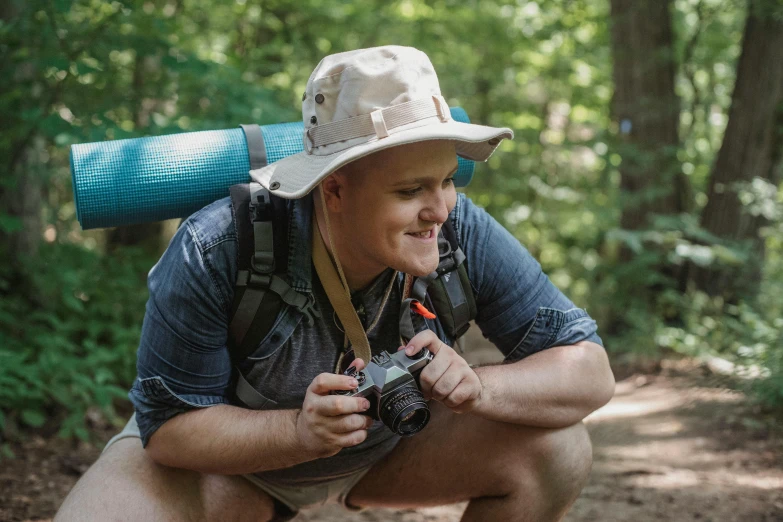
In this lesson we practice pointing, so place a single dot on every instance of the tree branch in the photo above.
(70, 54)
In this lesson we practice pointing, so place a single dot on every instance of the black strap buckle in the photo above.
(263, 262)
(261, 209)
(448, 261)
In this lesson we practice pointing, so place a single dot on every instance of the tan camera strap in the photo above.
(336, 287)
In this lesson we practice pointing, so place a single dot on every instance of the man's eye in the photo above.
(448, 181)
(411, 192)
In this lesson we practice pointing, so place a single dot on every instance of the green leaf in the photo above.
(10, 224)
(33, 418)
(81, 433)
(5, 451)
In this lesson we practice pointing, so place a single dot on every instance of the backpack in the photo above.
(261, 290)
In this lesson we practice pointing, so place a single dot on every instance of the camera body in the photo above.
(391, 383)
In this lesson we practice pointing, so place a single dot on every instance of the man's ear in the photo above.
(333, 190)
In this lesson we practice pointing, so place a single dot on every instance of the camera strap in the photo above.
(337, 290)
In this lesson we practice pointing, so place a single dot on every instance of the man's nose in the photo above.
(437, 208)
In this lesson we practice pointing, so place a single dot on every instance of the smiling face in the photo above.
(386, 209)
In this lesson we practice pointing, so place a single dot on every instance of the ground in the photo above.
(675, 443)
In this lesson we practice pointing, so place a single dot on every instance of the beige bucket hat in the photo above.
(363, 101)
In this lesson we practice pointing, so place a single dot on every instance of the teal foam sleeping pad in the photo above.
(139, 180)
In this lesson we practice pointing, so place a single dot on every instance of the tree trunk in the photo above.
(646, 111)
(750, 149)
(22, 187)
(23, 201)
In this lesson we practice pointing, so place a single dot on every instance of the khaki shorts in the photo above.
(292, 497)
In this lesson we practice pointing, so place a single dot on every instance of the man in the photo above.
(380, 153)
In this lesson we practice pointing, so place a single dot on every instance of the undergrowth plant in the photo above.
(69, 331)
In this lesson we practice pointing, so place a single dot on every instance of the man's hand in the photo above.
(328, 423)
(447, 378)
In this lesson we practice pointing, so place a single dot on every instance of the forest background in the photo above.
(644, 176)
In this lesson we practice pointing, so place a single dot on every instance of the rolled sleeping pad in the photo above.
(124, 182)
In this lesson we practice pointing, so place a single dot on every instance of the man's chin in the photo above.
(417, 269)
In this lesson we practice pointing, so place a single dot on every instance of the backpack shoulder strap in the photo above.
(448, 288)
(450, 235)
(451, 292)
(260, 291)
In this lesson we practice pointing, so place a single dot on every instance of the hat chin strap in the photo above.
(377, 124)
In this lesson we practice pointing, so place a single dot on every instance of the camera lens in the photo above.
(404, 411)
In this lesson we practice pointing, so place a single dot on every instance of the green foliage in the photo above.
(748, 336)
(88, 70)
(70, 335)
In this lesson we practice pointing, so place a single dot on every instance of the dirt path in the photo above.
(667, 447)
(672, 446)
(677, 448)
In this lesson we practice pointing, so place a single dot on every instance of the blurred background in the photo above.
(645, 177)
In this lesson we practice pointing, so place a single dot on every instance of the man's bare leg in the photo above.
(507, 472)
(125, 484)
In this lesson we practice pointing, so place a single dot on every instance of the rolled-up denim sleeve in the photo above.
(183, 362)
(519, 309)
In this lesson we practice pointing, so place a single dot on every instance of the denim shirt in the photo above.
(183, 360)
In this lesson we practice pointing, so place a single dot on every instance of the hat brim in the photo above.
(295, 176)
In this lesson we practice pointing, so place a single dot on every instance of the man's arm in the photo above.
(556, 372)
(553, 388)
(230, 440)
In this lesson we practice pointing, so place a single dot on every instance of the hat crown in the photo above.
(359, 82)
(360, 102)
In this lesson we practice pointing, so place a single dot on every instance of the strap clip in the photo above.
(309, 311)
(263, 262)
(256, 280)
(261, 215)
(260, 206)
(448, 259)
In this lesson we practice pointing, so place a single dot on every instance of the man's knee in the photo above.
(558, 461)
(570, 454)
(125, 484)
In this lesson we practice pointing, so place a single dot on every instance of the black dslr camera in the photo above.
(391, 384)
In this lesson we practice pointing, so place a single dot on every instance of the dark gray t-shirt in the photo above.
(183, 360)
(288, 372)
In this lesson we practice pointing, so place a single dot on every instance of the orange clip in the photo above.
(421, 310)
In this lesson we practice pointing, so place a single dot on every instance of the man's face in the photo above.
(395, 202)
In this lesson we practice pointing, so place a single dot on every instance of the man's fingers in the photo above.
(334, 405)
(359, 363)
(435, 370)
(351, 423)
(424, 339)
(327, 382)
(459, 394)
(446, 384)
(352, 439)
(433, 373)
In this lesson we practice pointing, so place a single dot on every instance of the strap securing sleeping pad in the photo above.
(256, 150)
